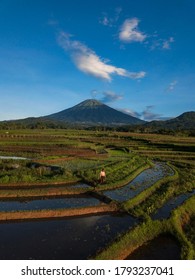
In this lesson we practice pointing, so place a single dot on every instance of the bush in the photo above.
(27, 178)
(5, 179)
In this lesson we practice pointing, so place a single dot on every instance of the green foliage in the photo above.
(189, 230)
(5, 179)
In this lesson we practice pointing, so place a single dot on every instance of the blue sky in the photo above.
(135, 56)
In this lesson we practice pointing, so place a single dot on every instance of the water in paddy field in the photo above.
(48, 203)
(165, 211)
(13, 157)
(144, 180)
(56, 239)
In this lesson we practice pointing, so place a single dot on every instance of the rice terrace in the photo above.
(97, 132)
(52, 205)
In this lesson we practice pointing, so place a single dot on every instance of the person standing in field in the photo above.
(102, 176)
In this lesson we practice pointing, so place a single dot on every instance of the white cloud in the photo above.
(131, 113)
(130, 33)
(146, 114)
(172, 85)
(87, 61)
(162, 44)
(167, 43)
(105, 21)
(106, 96)
(110, 96)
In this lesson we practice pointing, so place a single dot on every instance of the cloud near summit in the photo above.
(87, 61)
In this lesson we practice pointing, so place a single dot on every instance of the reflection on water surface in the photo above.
(144, 180)
(70, 238)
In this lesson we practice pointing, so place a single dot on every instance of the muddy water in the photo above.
(48, 203)
(165, 211)
(70, 238)
(144, 180)
(163, 247)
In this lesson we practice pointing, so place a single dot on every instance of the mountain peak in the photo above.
(90, 103)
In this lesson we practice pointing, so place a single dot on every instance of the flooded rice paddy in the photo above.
(143, 181)
(70, 238)
(48, 203)
(165, 211)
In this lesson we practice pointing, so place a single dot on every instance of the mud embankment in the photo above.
(57, 213)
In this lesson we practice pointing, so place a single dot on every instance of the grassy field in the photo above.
(56, 158)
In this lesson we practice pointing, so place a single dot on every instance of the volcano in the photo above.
(93, 112)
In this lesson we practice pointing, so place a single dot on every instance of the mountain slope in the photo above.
(93, 112)
(185, 121)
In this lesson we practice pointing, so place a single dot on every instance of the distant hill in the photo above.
(93, 112)
(185, 121)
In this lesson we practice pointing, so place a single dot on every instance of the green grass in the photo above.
(181, 217)
(189, 229)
